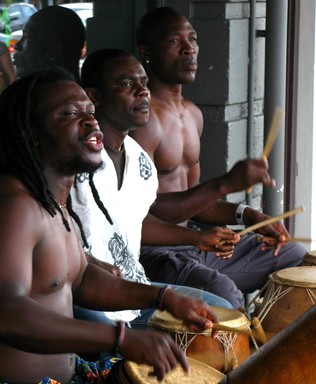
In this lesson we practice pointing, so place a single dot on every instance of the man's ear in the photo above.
(144, 53)
(93, 95)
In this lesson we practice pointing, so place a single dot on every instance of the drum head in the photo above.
(229, 320)
(296, 277)
(200, 374)
(310, 258)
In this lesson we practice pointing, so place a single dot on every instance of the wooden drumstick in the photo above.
(272, 220)
(273, 133)
(292, 239)
(268, 222)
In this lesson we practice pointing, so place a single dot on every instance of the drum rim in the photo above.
(276, 277)
(244, 326)
(128, 367)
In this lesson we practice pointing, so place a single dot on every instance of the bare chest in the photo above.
(179, 147)
(57, 258)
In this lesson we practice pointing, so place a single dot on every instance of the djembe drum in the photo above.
(230, 347)
(289, 293)
(127, 372)
(310, 258)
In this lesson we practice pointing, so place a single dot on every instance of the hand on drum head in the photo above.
(195, 314)
(154, 348)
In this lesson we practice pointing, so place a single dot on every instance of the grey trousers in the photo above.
(247, 271)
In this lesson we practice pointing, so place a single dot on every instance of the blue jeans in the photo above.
(141, 321)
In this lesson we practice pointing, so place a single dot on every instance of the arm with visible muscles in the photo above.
(198, 200)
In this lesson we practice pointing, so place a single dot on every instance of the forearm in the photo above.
(220, 213)
(44, 331)
(176, 207)
(96, 288)
(197, 200)
(158, 232)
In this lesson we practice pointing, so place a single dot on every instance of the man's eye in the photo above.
(91, 113)
(71, 113)
(126, 84)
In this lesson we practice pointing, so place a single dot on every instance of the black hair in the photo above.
(62, 25)
(152, 21)
(94, 67)
(19, 154)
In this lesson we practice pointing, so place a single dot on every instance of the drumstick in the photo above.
(273, 133)
(271, 220)
(293, 239)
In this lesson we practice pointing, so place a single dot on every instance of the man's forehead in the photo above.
(126, 67)
(61, 92)
(176, 25)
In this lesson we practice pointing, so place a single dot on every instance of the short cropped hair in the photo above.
(152, 21)
(94, 68)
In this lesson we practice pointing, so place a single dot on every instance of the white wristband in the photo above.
(239, 214)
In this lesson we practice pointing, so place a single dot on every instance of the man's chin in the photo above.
(91, 168)
(81, 167)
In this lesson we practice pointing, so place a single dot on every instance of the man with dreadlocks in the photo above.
(52, 136)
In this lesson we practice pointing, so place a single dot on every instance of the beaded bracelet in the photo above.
(160, 297)
(120, 335)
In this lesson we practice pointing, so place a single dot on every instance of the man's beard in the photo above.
(75, 165)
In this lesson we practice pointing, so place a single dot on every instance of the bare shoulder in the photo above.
(195, 114)
(16, 202)
(20, 228)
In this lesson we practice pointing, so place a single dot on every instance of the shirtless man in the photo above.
(51, 136)
(168, 46)
(53, 36)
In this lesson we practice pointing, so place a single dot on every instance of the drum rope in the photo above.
(183, 341)
(311, 295)
(227, 340)
(274, 295)
(252, 302)
(253, 338)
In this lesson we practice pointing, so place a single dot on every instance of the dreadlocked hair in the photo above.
(98, 200)
(20, 116)
(74, 215)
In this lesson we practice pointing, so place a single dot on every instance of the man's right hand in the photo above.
(247, 173)
(153, 348)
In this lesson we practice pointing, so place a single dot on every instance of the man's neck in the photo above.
(169, 93)
(59, 186)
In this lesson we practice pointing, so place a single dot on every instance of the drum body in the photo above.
(230, 347)
(290, 293)
(127, 372)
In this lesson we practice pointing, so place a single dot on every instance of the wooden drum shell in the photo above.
(290, 293)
